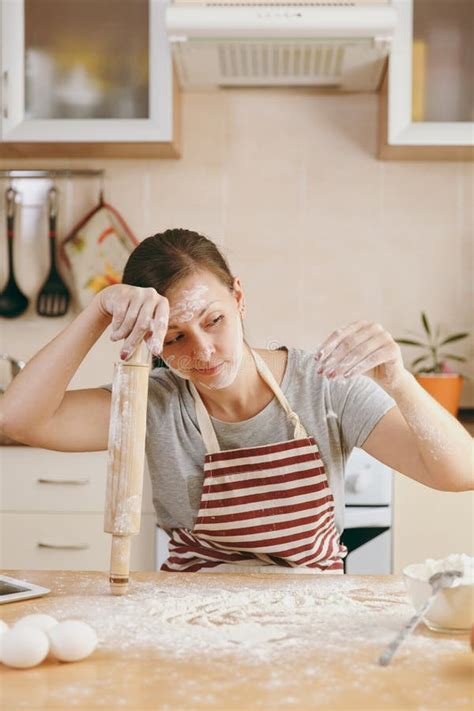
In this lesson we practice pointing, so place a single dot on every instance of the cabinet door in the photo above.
(39, 480)
(427, 103)
(47, 541)
(85, 71)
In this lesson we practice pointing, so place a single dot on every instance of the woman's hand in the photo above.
(137, 314)
(361, 347)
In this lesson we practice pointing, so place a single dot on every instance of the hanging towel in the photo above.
(96, 251)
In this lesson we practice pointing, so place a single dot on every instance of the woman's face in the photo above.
(204, 340)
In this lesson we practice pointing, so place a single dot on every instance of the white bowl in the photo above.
(452, 609)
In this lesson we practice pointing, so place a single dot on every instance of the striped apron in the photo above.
(263, 509)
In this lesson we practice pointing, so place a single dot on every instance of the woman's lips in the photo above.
(209, 371)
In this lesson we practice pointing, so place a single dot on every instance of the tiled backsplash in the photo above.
(320, 232)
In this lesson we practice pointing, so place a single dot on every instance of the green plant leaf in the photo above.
(452, 357)
(408, 342)
(426, 325)
(418, 360)
(454, 337)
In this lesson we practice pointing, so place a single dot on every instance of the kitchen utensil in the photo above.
(452, 611)
(12, 300)
(126, 459)
(53, 298)
(437, 581)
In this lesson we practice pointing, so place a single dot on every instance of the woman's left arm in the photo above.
(418, 437)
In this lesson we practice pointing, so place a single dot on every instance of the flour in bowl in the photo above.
(456, 561)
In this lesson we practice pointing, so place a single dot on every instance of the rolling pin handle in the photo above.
(119, 565)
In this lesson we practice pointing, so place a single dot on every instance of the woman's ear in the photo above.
(238, 293)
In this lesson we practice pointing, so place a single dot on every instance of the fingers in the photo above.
(380, 356)
(350, 348)
(142, 324)
(139, 314)
(159, 327)
(125, 315)
(336, 337)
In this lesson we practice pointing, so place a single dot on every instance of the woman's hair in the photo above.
(167, 257)
(162, 260)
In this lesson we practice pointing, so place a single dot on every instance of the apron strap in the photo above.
(205, 425)
(204, 421)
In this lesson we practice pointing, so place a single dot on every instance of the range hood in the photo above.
(338, 45)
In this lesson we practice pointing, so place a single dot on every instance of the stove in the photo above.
(368, 515)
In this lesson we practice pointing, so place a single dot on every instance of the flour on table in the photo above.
(184, 615)
(266, 628)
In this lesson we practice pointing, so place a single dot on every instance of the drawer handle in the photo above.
(71, 547)
(84, 480)
(5, 94)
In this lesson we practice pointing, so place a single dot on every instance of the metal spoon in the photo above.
(437, 581)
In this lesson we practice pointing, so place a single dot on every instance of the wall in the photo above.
(321, 233)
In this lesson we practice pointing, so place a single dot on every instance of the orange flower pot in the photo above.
(444, 387)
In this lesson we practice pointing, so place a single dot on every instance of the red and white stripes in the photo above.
(269, 504)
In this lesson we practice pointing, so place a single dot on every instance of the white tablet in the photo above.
(12, 589)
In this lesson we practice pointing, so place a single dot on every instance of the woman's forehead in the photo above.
(202, 285)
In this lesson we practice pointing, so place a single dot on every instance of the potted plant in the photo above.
(433, 371)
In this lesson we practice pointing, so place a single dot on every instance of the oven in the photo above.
(368, 515)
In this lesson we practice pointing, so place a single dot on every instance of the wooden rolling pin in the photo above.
(123, 496)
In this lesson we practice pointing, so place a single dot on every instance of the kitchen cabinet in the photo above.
(426, 108)
(52, 518)
(87, 78)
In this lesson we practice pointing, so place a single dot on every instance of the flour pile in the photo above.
(456, 561)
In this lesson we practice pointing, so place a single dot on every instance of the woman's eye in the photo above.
(216, 320)
(169, 343)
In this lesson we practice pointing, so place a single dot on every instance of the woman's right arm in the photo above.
(37, 408)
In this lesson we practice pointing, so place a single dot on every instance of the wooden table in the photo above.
(322, 670)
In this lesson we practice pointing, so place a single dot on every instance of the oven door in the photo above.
(368, 538)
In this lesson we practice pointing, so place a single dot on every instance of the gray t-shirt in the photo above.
(340, 414)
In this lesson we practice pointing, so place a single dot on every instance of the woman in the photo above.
(246, 447)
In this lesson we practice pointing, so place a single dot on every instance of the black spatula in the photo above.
(12, 301)
(53, 298)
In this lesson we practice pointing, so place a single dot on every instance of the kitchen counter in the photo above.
(229, 641)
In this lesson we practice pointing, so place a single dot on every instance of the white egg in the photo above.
(44, 622)
(3, 627)
(72, 640)
(23, 647)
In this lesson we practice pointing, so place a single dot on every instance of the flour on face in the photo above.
(188, 305)
(227, 374)
(191, 301)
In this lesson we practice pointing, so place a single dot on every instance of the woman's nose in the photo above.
(201, 348)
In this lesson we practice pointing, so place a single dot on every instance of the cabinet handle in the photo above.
(83, 480)
(5, 90)
(71, 547)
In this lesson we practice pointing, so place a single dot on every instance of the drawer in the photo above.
(34, 479)
(57, 541)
